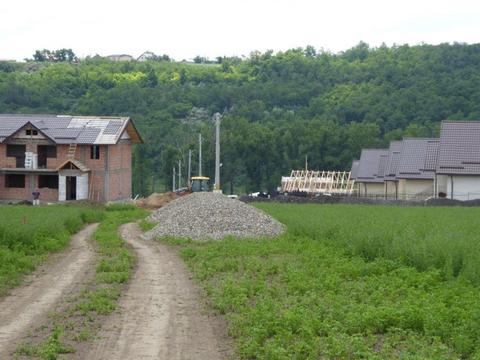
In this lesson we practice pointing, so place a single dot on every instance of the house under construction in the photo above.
(318, 182)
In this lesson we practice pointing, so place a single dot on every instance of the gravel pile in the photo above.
(205, 215)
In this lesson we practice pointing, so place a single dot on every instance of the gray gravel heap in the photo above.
(206, 215)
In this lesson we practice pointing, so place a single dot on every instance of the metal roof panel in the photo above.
(372, 165)
(459, 152)
(416, 158)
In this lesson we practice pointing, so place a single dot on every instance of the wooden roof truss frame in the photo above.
(319, 182)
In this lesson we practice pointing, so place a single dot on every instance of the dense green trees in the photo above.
(55, 55)
(277, 108)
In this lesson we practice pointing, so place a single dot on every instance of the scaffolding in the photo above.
(318, 182)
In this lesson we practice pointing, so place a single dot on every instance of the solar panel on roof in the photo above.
(113, 128)
(66, 129)
(88, 136)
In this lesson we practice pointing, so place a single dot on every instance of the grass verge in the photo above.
(28, 234)
(79, 320)
(332, 288)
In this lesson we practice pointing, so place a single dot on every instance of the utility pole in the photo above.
(179, 174)
(189, 166)
(306, 162)
(199, 154)
(217, 117)
(173, 182)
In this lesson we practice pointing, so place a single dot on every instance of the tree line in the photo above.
(277, 107)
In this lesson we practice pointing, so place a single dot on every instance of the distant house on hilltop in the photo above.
(67, 157)
(147, 55)
(121, 57)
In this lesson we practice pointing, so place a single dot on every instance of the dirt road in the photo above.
(28, 305)
(161, 315)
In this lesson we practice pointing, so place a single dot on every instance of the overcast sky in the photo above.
(186, 28)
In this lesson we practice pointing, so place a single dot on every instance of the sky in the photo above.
(184, 29)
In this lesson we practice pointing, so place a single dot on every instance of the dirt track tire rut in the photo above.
(28, 305)
(161, 315)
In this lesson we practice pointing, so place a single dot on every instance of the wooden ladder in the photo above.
(71, 151)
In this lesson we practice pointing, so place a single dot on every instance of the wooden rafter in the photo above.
(319, 182)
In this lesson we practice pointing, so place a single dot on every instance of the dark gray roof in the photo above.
(393, 159)
(418, 158)
(113, 127)
(459, 148)
(354, 170)
(371, 167)
(65, 129)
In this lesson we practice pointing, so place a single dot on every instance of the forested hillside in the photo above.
(277, 107)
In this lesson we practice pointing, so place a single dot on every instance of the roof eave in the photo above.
(31, 124)
(130, 122)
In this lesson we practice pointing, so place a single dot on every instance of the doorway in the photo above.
(71, 187)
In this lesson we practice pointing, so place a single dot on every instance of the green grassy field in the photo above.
(28, 234)
(349, 282)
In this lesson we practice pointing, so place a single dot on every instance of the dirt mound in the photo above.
(212, 216)
(156, 200)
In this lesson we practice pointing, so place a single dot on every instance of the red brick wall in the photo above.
(47, 194)
(120, 171)
(97, 173)
(14, 193)
(6, 162)
(3, 155)
(54, 163)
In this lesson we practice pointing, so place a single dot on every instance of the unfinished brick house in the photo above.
(66, 157)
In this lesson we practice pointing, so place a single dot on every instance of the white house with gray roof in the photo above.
(458, 164)
(416, 168)
(371, 171)
(390, 178)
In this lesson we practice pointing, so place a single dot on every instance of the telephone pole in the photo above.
(217, 117)
(173, 181)
(199, 154)
(179, 174)
(189, 166)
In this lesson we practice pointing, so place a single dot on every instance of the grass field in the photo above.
(349, 282)
(28, 234)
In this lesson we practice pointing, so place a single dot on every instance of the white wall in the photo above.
(464, 187)
(411, 188)
(62, 188)
(390, 189)
(82, 187)
(442, 181)
(372, 189)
